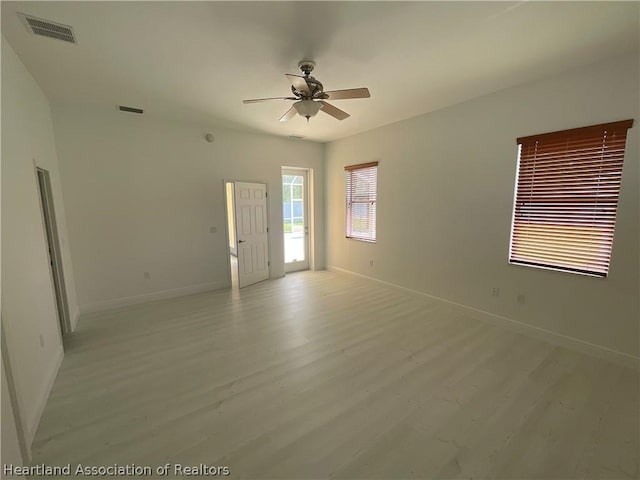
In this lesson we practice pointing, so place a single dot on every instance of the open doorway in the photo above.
(247, 232)
(53, 247)
(231, 233)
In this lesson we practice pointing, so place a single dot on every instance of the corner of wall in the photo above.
(554, 338)
(34, 420)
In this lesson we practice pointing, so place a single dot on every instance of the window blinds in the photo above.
(566, 198)
(362, 185)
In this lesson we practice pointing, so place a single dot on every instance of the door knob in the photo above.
(241, 241)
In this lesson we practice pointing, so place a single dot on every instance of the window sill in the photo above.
(360, 239)
(558, 269)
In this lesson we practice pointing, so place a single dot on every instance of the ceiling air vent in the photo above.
(123, 108)
(46, 28)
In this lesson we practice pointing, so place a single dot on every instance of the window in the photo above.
(566, 198)
(362, 185)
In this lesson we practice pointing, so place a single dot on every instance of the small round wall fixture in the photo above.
(209, 137)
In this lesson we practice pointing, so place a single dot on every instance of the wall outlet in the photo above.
(521, 298)
(371, 263)
(213, 229)
(495, 292)
(147, 275)
(41, 341)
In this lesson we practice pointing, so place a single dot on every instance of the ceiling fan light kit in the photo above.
(307, 108)
(311, 97)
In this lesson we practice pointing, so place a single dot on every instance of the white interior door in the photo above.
(251, 229)
(296, 219)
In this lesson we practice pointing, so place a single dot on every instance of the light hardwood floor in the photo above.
(327, 375)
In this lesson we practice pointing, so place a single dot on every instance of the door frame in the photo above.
(54, 252)
(307, 216)
(235, 218)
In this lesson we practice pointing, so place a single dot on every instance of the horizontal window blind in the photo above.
(362, 186)
(566, 198)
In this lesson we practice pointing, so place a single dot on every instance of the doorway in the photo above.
(53, 247)
(295, 212)
(247, 232)
(232, 240)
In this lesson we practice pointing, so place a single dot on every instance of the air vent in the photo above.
(123, 108)
(295, 137)
(46, 28)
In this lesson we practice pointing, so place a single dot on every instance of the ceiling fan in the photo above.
(310, 96)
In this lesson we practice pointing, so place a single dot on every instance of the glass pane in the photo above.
(361, 203)
(363, 220)
(293, 215)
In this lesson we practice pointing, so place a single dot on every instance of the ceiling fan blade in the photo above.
(289, 114)
(333, 111)
(298, 82)
(256, 100)
(348, 93)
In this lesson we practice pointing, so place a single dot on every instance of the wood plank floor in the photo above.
(320, 375)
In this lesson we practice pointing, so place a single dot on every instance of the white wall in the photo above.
(142, 194)
(446, 183)
(29, 313)
(10, 444)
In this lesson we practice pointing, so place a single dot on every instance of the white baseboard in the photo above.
(34, 419)
(559, 339)
(150, 297)
(74, 319)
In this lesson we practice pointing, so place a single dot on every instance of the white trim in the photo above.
(559, 339)
(513, 205)
(34, 420)
(74, 318)
(313, 264)
(305, 264)
(53, 249)
(150, 297)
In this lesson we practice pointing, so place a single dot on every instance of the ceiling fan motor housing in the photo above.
(306, 66)
(315, 88)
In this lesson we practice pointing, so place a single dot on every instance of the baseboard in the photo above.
(34, 420)
(614, 356)
(150, 297)
(74, 319)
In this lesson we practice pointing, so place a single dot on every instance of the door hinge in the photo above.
(267, 229)
(268, 264)
(266, 194)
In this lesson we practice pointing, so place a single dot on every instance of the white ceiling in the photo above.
(197, 61)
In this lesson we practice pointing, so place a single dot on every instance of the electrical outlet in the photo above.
(521, 299)
(147, 275)
(213, 229)
(41, 341)
(495, 292)
(371, 263)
